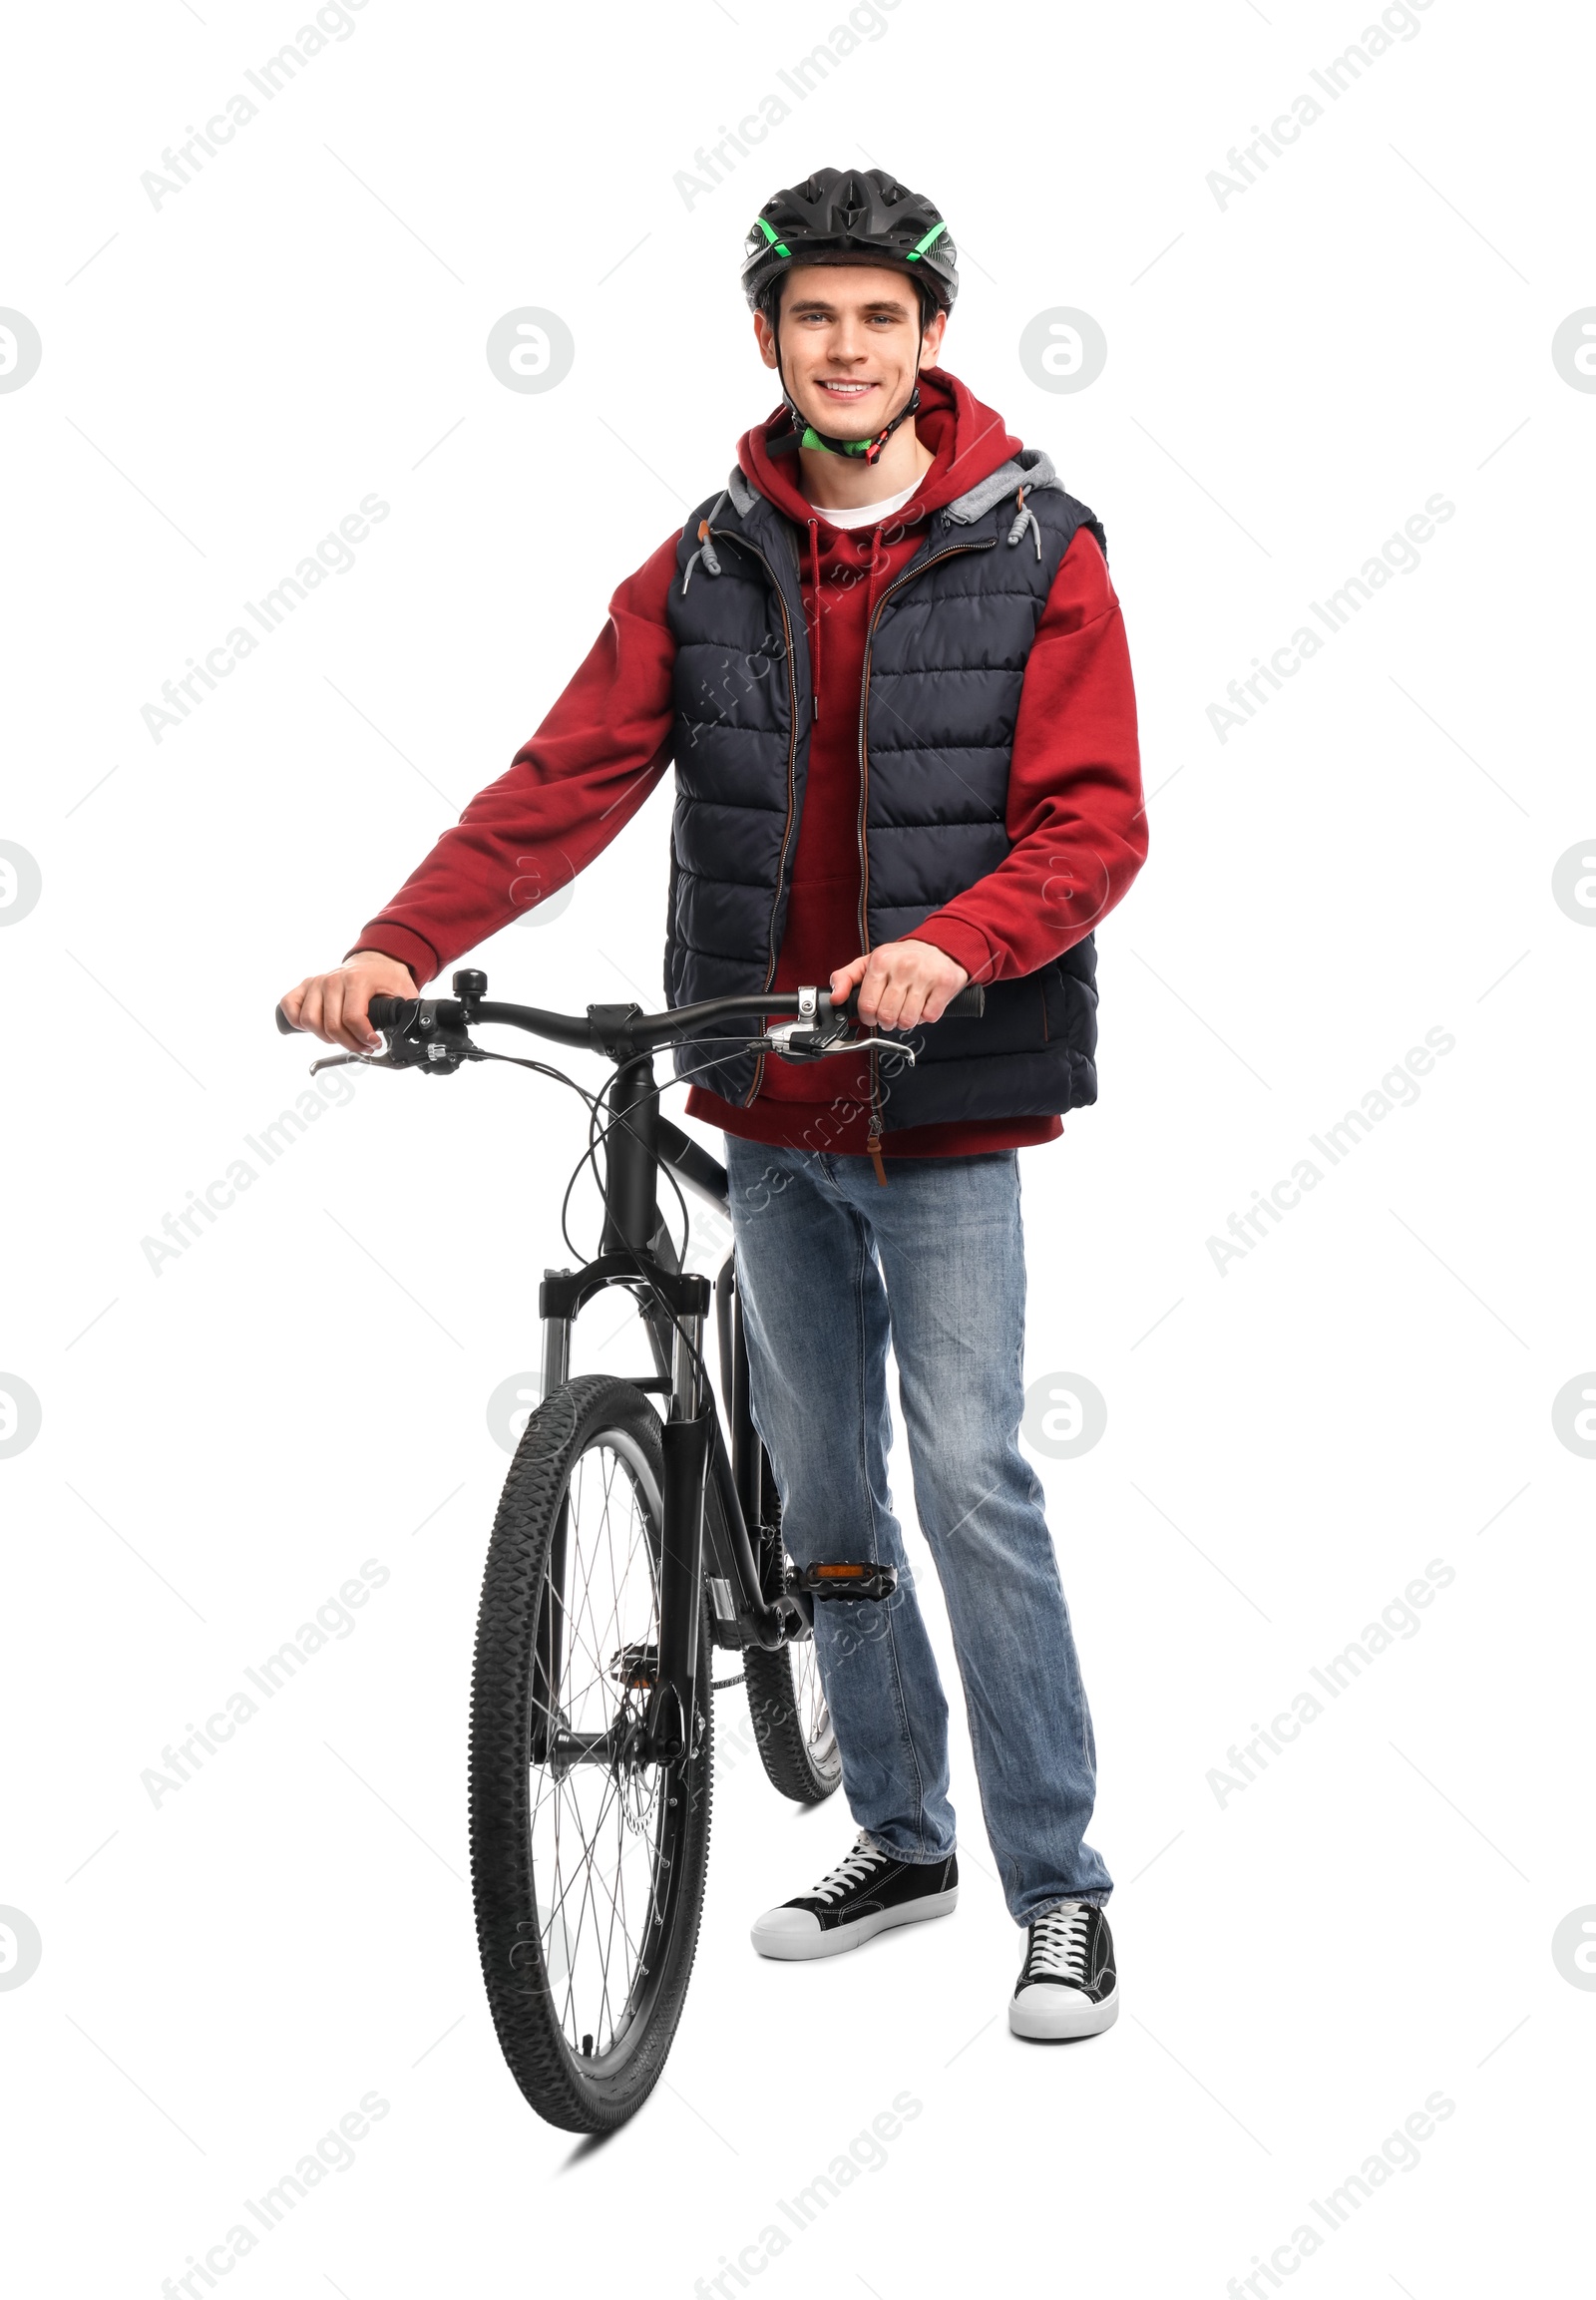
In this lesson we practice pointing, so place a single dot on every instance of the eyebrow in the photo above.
(878, 304)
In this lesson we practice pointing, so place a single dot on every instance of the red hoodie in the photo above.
(1074, 808)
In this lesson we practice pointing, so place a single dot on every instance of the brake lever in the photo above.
(800, 1041)
(386, 1060)
(440, 1049)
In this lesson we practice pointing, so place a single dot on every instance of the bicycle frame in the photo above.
(714, 1499)
(717, 1529)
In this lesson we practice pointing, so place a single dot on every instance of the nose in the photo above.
(848, 347)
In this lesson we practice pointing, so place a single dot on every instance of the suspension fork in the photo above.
(671, 1721)
(549, 1649)
(750, 1469)
(551, 1633)
(548, 1658)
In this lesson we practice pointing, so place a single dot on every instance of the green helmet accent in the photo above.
(759, 224)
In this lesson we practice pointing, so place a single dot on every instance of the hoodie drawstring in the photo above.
(1024, 516)
(814, 643)
(705, 552)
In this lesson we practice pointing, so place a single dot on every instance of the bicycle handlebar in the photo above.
(625, 1029)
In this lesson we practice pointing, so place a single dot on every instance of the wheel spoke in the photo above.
(599, 1859)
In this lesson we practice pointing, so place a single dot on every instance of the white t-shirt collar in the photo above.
(866, 513)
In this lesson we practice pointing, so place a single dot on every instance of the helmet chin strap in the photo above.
(803, 433)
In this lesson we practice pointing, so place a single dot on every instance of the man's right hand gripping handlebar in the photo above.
(334, 1005)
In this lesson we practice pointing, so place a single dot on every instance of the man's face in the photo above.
(850, 333)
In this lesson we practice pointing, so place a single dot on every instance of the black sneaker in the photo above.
(862, 1896)
(1068, 1985)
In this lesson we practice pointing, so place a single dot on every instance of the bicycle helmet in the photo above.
(849, 216)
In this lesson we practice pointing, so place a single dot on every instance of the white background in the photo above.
(1289, 377)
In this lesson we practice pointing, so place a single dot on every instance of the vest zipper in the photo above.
(910, 574)
(792, 758)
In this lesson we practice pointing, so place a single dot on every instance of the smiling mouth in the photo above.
(837, 389)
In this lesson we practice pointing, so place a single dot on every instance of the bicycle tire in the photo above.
(582, 2081)
(792, 1727)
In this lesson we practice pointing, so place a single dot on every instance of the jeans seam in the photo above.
(983, 1748)
(900, 1702)
(904, 1232)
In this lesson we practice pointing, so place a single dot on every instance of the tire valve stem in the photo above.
(586, 2048)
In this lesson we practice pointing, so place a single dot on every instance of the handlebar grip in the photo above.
(965, 1005)
(384, 1012)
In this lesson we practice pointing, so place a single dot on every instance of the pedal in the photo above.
(836, 1578)
(636, 1667)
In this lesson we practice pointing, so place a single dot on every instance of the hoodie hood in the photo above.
(969, 441)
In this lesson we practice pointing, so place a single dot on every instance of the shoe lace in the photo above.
(1059, 1942)
(848, 1873)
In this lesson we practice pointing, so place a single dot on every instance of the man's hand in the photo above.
(901, 984)
(333, 1007)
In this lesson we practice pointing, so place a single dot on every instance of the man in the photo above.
(887, 664)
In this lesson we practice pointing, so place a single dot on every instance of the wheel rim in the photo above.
(602, 1834)
(809, 1705)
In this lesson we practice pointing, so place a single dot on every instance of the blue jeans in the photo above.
(830, 1266)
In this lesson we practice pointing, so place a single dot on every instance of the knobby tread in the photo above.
(784, 1748)
(523, 2012)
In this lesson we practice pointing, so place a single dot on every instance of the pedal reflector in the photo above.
(846, 1577)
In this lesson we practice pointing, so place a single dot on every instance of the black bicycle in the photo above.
(631, 1543)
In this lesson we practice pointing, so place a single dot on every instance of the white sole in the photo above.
(799, 1947)
(1060, 2023)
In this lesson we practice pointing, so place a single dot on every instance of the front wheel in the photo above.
(588, 1867)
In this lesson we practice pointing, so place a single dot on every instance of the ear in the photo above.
(936, 328)
(765, 336)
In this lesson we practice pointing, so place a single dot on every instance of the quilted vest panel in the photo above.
(944, 668)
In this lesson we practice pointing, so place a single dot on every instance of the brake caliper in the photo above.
(636, 1666)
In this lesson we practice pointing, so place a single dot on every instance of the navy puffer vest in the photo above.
(943, 665)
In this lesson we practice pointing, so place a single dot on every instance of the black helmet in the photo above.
(851, 216)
